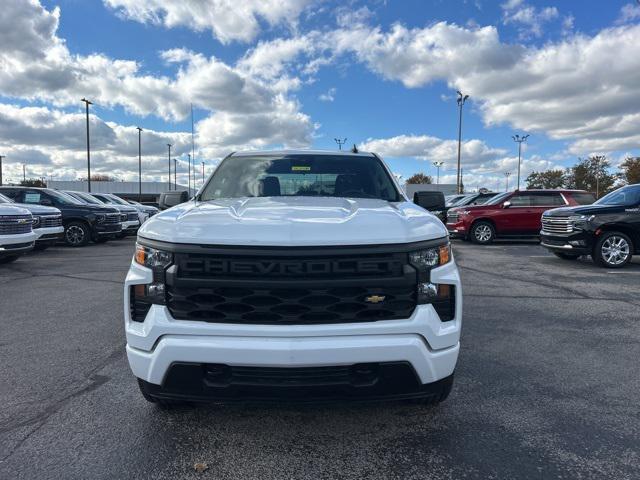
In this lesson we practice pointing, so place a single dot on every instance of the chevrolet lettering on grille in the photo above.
(209, 266)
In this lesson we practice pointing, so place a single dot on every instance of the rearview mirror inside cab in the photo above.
(431, 201)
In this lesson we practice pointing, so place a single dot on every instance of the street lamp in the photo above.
(189, 175)
(438, 165)
(139, 164)
(169, 179)
(202, 173)
(461, 99)
(507, 175)
(175, 174)
(518, 139)
(340, 142)
(1, 157)
(86, 104)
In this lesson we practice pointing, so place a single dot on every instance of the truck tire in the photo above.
(482, 233)
(566, 256)
(76, 234)
(613, 250)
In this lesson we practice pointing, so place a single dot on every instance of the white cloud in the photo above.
(228, 20)
(528, 18)
(328, 96)
(629, 13)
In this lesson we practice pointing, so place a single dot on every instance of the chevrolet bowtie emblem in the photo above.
(375, 298)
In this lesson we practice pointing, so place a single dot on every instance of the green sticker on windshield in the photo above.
(300, 169)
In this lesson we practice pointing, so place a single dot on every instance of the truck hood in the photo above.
(38, 209)
(585, 210)
(12, 209)
(293, 221)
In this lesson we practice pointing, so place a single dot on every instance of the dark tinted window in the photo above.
(301, 175)
(523, 200)
(547, 199)
(628, 196)
(583, 198)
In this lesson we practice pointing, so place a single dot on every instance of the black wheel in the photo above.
(77, 234)
(161, 402)
(482, 233)
(9, 259)
(613, 250)
(566, 256)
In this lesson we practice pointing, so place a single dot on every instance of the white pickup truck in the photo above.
(16, 232)
(294, 276)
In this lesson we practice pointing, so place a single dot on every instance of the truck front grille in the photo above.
(288, 290)
(15, 224)
(556, 225)
(132, 217)
(452, 217)
(113, 218)
(50, 221)
(288, 306)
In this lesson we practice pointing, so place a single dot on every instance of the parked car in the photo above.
(150, 210)
(16, 232)
(173, 198)
(143, 216)
(132, 223)
(82, 222)
(608, 230)
(47, 222)
(296, 276)
(511, 214)
(449, 200)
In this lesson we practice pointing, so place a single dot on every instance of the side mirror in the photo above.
(431, 201)
(506, 204)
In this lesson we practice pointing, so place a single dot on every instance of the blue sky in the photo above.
(381, 73)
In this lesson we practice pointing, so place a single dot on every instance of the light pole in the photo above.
(175, 174)
(1, 157)
(86, 104)
(598, 158)
(139, 164)
(438, 165)
(518, 139)
(24, 173)
(507, 175)
(169, 179)
(461, 99)
(340, 142)
(189, 175)
(202, 173)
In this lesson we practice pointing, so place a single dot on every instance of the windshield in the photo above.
(64, 198)
(463, 201)
(4, 199)
(499, 198)
(627, 196)
(87, 198)
(117, 199)
(301, 175)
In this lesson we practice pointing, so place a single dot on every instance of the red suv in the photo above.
(511, 214)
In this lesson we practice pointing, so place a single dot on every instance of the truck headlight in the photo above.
(36, 221)
(100, 218)
(578, 221)
(430, 257)
(152, 257)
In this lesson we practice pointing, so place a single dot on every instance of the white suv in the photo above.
(297, 276)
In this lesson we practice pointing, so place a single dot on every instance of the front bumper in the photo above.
(130, 227)
(16, 244)
(49, 234)
(429, 345)
(108, 229)
(457, 229)
(578, 243)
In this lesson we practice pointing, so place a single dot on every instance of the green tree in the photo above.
(33, 182)
(419, 178)
(591, 174)
(547, 179)
(631, 170)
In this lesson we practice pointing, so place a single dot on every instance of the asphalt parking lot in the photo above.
(547, 385)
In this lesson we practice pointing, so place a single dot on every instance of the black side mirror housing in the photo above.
(431, 201)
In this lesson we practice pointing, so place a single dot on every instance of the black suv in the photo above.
(81, 222)
(608, 230)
